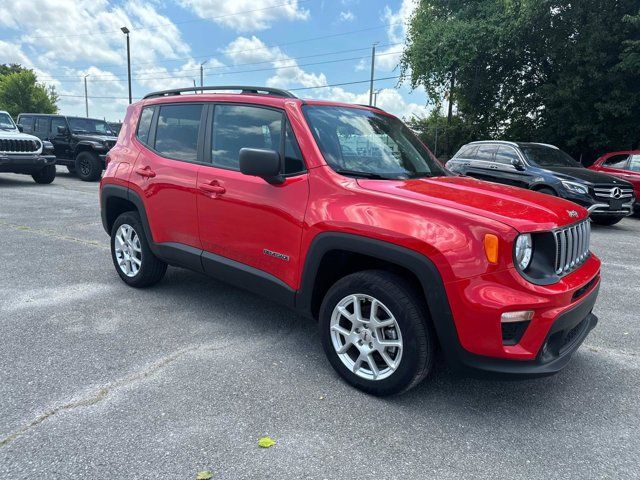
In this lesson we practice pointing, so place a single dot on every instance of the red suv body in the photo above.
(623, 164)
(390, 263)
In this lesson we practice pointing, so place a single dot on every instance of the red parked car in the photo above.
(624, 164)
(340, 212)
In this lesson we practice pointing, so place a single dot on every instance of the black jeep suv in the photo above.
(79, 143)
(547, 169)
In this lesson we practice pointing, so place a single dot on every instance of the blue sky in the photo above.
(295, 44)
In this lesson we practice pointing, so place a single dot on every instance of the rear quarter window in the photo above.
(144, 124)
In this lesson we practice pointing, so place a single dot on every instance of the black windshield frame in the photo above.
(412, 158)
(78, 120)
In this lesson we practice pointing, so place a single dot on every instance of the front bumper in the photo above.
(604, 206)
(21, 163)
(562, 320)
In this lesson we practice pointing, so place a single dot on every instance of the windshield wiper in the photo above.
(355, 173)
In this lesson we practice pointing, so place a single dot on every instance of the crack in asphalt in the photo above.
(53, 234)
(103, 392)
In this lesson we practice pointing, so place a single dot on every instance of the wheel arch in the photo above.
(333, 255)
(83, 146)
(115, 200)
(539, 186)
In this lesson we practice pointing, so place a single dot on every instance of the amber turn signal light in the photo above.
(491, 247)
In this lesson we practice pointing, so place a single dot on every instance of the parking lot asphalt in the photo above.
(99, 380)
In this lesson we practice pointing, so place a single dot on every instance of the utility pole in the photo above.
(202, 76)
(450, 113)
(86, 97)
(373, 66)
(375, 98)
(125, 30)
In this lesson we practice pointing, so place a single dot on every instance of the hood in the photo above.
(15, 135)
(522, 209)
(584, 174)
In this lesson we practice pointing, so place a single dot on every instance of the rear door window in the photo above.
(486, 152)
(41, 127)
(177, 131)
(468, 151)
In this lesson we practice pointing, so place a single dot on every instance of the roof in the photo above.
(513, 144)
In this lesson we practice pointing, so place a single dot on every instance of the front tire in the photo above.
(376, 332)
(45, 175)
(88, 166)
(134, 261)
(606, 221)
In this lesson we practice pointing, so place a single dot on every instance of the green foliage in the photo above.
(443, 139)
(557, 71)
(20, 92)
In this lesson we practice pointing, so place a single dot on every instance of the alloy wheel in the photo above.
(366, 337)
(128, 250)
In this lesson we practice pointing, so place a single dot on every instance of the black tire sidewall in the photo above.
(409, 318)
(94, 162)
(45, 175)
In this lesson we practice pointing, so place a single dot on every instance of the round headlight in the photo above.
(524, 250)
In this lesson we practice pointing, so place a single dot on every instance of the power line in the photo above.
(236, 72)
(182, 22)
(218, 67)
(396, 77)
(267, 47)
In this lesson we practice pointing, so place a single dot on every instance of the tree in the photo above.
(20, 92)
(557, 71)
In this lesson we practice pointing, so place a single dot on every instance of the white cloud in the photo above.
(347, 16)
(287, 73)
(261, 14)
(396, 33)
(49, 31)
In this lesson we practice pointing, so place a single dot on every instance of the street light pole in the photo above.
(373, 64)
(125, 30)
(86, 97)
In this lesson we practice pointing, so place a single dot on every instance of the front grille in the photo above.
(572, 246)
(19, 146)
(613, 191)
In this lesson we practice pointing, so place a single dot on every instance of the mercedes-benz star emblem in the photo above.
(572, 213)
(616, 192)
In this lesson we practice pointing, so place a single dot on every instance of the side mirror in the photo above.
(261, 163)
(20, 128)
(62, 130)
(517, 164)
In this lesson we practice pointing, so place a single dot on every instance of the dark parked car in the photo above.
(547, 169)
(81, 144)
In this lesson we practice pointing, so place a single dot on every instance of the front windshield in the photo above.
(548, 156)
(6, 122)
(89, 125)
(363, 143)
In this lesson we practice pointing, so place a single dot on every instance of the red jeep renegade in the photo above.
(341, 213)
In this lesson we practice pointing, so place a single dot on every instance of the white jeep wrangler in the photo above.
(26, 154)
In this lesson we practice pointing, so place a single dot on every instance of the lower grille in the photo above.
(572, 247)
(19, 146)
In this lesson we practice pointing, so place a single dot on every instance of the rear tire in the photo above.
(606, 221)
(45, 175)
(88, 166)
(350, 344)
(134, 261)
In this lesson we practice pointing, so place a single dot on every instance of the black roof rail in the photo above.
(276, 92)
